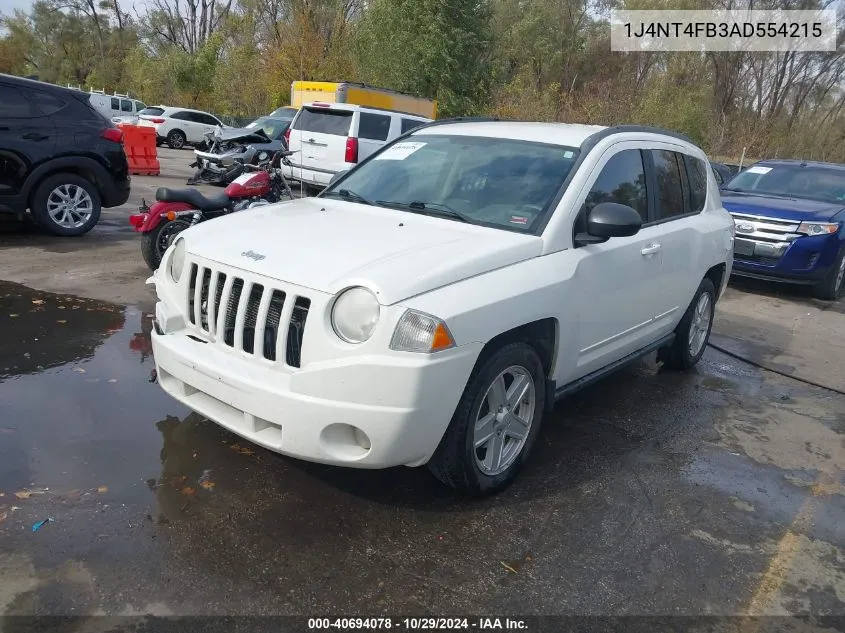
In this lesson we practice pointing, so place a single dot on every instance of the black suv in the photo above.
(59, 158)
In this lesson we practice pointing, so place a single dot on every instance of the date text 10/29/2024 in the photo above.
(418, 624)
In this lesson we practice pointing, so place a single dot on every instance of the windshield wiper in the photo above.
(346, 194)
(432, 208)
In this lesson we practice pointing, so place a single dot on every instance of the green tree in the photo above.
(432, 48)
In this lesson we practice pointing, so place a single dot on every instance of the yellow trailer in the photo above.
(359, 94)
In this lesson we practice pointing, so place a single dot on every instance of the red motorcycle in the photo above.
(178, 209)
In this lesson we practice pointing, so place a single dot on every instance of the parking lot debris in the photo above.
(508, 567)
(243, 450)
(103, 489)
(26, 494)
(3, 516)
(205, 480)
(153, 376)
(37, 526)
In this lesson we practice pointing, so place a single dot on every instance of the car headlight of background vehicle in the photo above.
(355, 314)
(420, 332)
(818, 228)
(177, 260)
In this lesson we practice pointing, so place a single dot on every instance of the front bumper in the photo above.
(375, 413)
(805, 260)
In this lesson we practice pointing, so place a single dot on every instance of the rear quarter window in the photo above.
(410, 124)
(697, 170)
(374, 127)
(336, 122)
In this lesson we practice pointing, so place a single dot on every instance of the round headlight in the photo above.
(177, 260)
(355, 314)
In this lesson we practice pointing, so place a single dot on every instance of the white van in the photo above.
(327, 138)
(112, 106)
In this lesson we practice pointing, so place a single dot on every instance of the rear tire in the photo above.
(830, 288)
(66, 205)
(154, 243)
(693, 331)
(176, 139)
(464, 460)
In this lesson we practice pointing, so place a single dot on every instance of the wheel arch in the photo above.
(81, 166)
(716, 274)
(542, 335)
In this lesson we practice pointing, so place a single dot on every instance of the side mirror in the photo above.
(609, 219)
(337, 177)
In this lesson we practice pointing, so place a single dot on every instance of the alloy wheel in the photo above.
(504, 420)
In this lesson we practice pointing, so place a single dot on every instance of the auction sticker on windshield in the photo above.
(400, 151)
(759, 170)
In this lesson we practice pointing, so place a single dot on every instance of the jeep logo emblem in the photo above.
(253, 256)
(745, 227)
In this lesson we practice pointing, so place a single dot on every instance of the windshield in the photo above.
(494, 182)
(810, 182)
(273, 128)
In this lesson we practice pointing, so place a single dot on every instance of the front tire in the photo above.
(693, 331)
(495, 423)
(830, 288)
(176, 139)
(154, 243)
(66, 205)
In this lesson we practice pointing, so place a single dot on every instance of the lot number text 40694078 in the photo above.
(418, 624)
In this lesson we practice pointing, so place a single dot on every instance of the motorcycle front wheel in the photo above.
(155, 242)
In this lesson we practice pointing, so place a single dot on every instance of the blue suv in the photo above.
(789, 218)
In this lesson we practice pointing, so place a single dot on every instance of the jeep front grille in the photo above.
(247, 315)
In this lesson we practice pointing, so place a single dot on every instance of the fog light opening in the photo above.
(345, 442)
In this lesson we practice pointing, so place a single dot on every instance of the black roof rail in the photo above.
(591, 140)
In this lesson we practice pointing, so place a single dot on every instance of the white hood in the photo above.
(327, 245)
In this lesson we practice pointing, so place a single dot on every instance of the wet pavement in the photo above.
(718, 491)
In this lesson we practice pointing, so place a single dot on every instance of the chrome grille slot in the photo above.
(252, 304)
(218, 294)
(204, 288)
(232, 312)
(296, 330)
(271, 326)
(192, 286)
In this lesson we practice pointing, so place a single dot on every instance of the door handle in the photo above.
(34, 136)
(651, 249)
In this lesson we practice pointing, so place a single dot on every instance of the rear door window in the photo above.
(670, 188)
(374, 127)
(13, 105)
(45, 103)
(324, 121)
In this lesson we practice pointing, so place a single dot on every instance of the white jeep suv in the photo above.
(433, 302)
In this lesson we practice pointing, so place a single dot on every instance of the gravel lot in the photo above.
(717, 492)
